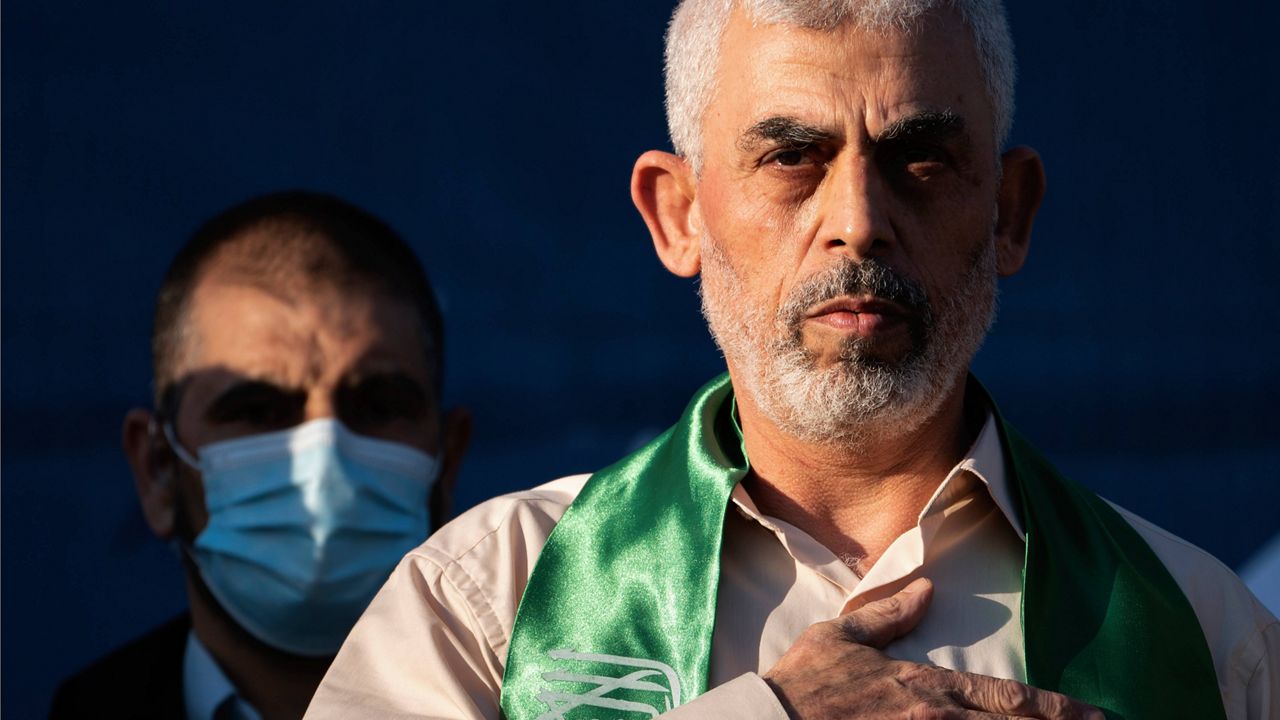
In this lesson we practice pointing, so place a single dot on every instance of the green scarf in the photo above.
(617, 619)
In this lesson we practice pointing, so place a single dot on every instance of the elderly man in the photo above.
(844, 526)
(296, 452)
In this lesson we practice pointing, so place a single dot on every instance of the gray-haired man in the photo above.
(844, 526)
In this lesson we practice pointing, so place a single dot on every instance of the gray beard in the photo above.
(858, 399)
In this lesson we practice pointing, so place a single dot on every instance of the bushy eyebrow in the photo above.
(791, 132)
(934, 124)
(782, 130)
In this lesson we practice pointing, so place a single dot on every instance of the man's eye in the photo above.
(381, 400)
(265, 413)
(921, 156)
(790, 157)
(257, 405)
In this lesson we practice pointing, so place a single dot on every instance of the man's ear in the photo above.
(455, 436)
(154, 475)
(1021, 189)
(663, 189)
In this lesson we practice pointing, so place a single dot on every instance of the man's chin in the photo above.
(859, 353)
(882, 342)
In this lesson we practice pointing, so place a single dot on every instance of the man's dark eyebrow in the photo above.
(388, 389)
(937, 124)
(782, 130)
(395, 379)
(244, 390)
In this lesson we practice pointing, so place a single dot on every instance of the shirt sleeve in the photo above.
(421, 650)
(1262, 687)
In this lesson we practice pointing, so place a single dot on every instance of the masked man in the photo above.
(296, 452)
(843, 526)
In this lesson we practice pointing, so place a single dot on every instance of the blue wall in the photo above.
(1137, 347)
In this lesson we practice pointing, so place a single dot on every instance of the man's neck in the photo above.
(277, 684)
(855, 498)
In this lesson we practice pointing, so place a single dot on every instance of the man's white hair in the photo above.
(693, 50)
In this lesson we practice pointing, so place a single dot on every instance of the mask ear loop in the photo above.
(170, 436)
(178, 544)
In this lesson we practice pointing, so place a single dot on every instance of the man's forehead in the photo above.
(227, 298)
(941, 28)
(294, 270)
(885, 73)
(296, 334)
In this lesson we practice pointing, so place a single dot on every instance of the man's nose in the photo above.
(855, 218)
(319, 405)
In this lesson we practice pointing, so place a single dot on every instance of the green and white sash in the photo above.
(617, 619)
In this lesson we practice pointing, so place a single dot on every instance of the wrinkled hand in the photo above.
(835, 671)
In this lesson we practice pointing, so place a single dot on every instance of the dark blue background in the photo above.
(1137, 347)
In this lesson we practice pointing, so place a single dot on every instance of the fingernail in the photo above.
(917, 585)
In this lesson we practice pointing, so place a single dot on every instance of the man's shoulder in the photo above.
(1221, 601)
(475, 568)
(518, 522)
(1211, 586)
(140, 679)
(1234, 622)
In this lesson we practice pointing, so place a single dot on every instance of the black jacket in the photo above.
(140, 681)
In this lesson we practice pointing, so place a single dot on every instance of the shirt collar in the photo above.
(205, 687)
(984, 461)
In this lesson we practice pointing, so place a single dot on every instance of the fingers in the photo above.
(1009, 697)
(946, 694)
(928, 713)
(881, 622)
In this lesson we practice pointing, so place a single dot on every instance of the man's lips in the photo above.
(861, 315)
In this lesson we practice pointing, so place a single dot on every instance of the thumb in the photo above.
(881, 622)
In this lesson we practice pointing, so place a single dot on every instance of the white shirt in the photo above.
(434, 641)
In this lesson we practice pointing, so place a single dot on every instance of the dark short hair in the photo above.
(316, 237)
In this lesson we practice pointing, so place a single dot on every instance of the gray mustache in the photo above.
(869, 277)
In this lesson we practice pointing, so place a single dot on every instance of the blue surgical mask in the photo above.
(304, 527)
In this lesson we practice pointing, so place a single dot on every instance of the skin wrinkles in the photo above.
(854, 96)
(310, 348)
(783, 131)
(233, 268)
(942, 124)
(758, 232)
(292, 352)
(785, 201)
(266, 345)
(826, 500)
(824, 151)
(802, 155)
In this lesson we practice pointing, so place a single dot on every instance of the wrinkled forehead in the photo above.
(241, 320)
(280, 253)
(875, 74)
(295, 267)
